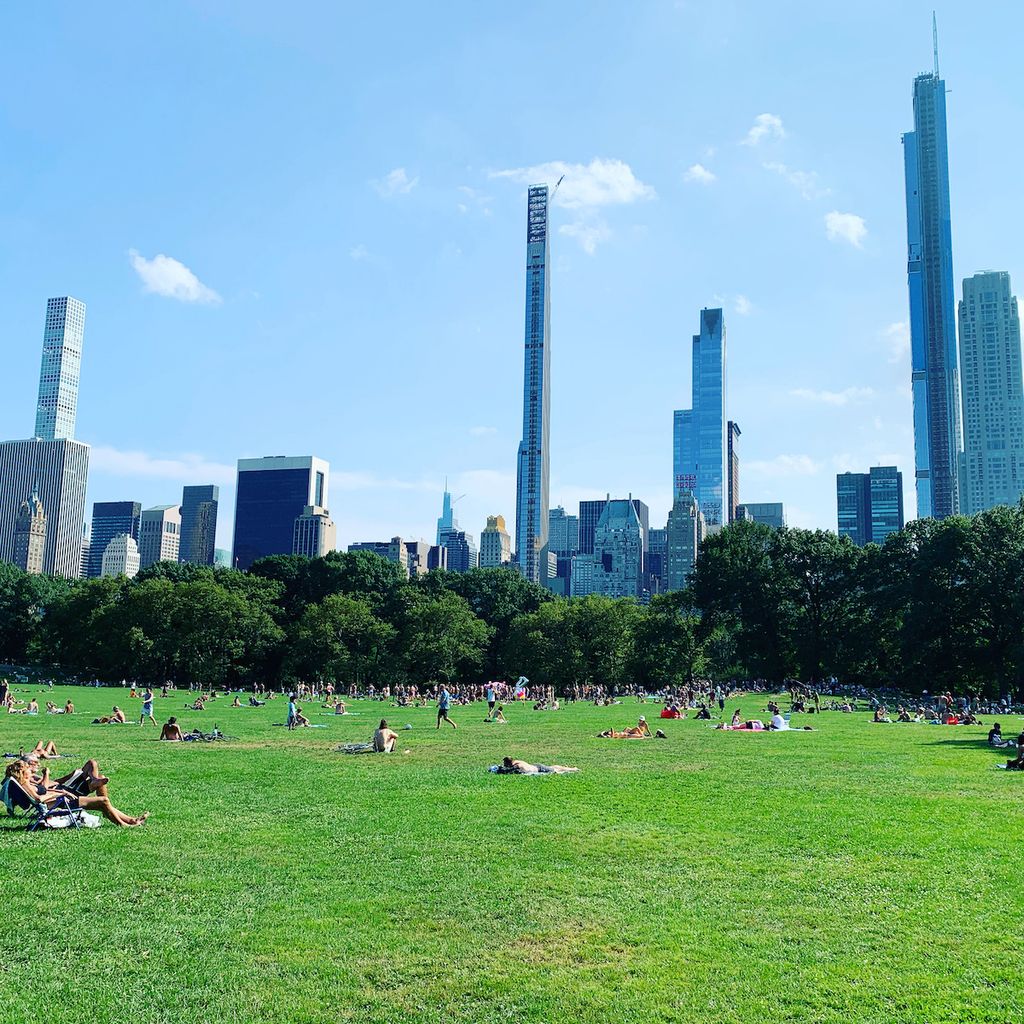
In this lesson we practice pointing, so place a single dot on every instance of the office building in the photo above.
(495, 544)
(770, 513)
(120, 557)
(699, 445)
(886, 502)
(199, 505)
(30, 535)
(853, 506)
(933, 354)
(581, 575)
(733, 463)
(684, 534)
(397, 550)
(272, 492)
(417, 552)
(533, 466)
(657, 547)
(447, 520)
(563, 532)
(63, 335)
(437, 557)
(590, 513)
(109, 519)
(993, 394)
(314, 534)
(461, 548)
(159, 535)
(84, 561)
(618, 550)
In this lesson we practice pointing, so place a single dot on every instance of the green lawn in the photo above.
(858, 873)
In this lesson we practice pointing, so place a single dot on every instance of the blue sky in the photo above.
(299, 229)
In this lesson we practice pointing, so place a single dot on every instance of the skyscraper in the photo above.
(462, 554)
(733, 462)
(990, 358)
(109, 520)
(886, 483)
(315, 533)
(618, 550)
(769, 513)
(159, 535)
(495, 543)
(853, 506)
(58, 470)
(30, 535)
(590, 513)
(534, 454)
(61, 366)
(271, 493)
(699, 447)
(199, 506)
(120, 557)
(930, 283)
(563, 532)
(683, 536)
(447, 520)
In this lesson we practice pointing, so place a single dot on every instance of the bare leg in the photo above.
(109, 811)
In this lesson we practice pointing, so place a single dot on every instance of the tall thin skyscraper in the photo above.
(930, 282)
(699, 448)
(993, 460)
(199, 505)
(534, 453)
(733, 433)
(62, 363)
(446, 520)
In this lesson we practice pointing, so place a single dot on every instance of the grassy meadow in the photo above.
(857, 873)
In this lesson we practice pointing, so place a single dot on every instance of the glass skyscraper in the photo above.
(990, 358)
(199, 505)
(110, 519)
(870, 505)
(272, 493)
(590, 513)
(930, 283)
(853, 506)
(534, 453)
(62, 363)
(699, 445)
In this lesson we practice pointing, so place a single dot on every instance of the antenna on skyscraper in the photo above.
(935, 43)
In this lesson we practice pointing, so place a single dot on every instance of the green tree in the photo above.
(667, 650)
(443, 640)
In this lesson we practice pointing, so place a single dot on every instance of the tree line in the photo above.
(938, 606)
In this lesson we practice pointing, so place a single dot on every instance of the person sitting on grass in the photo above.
(236, 703)
(703, 714)
(301, 721)
(1016, 764)
(171, 730)
(69, 708)
(33, 707)
(199, 704)
(497, 715)
(881, 715)
(737, 719)
(116, 717)
(384, 739)
(339, 707)
(778, 723)
(902, 714)
(514, 766)
(50, 793)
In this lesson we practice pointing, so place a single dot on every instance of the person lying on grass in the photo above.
(384, 739)
(171, 730)
(640, 731)
(116, 717)
(513, 766)
(44, 751)
(50, 793)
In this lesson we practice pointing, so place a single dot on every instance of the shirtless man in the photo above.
(513, 766)
(384, 739)
(171, 730)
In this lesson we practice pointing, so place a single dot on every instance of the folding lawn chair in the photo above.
(18, 800)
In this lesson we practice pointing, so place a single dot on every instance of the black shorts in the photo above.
(490, 705)
(442, 712)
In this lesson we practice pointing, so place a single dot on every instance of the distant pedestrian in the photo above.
(444, 702)
(147, 707)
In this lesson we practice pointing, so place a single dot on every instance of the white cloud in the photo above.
(766, 126)
(395, 183)
(844, 397)
(783, 466)
(587, 233)
(845, 227)
(806, 182)
(700, 174)
(188, 468)
(743, 306)
(359, 253)
(898, 337)
(164, 275)
(482, 431)
(586, 186)
(474, 199)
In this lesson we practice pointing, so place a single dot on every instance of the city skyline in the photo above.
(617, 272)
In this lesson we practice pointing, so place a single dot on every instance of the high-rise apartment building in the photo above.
(417, 553)
(590, 513)
(159, 535)
(993, 394)
(272, 492)
(733, 462)
(495, 544)
(315, 533)
(109, 520)
(699, 445)
(63, 334)
(886, 483)
(853, 506)
(563, 532)
(120, 557)
(461, 547)
(401, 552)
(657, 547)
(199, 506)
(683, 537)
(768, 513)
(618, 550)
(930, 283)
(533, 468)
(30, 535)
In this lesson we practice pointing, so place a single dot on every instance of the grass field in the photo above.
(858, 873)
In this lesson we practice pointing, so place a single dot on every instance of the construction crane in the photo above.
(555, 189)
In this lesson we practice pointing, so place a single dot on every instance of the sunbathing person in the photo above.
(301, 719)
(197, 705)
(236, 703)
(497, 716)
(339, 708)
(69, 708)
(85, 780)
(384, 739)
(882, 715)
(171, 730)
(513, 766)
(21, 772)
(33, 707)
(640, 731)
(254, 703)
(737, 718)
(116, 717)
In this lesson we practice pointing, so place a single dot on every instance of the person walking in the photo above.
(444, 702)
(147, 707)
